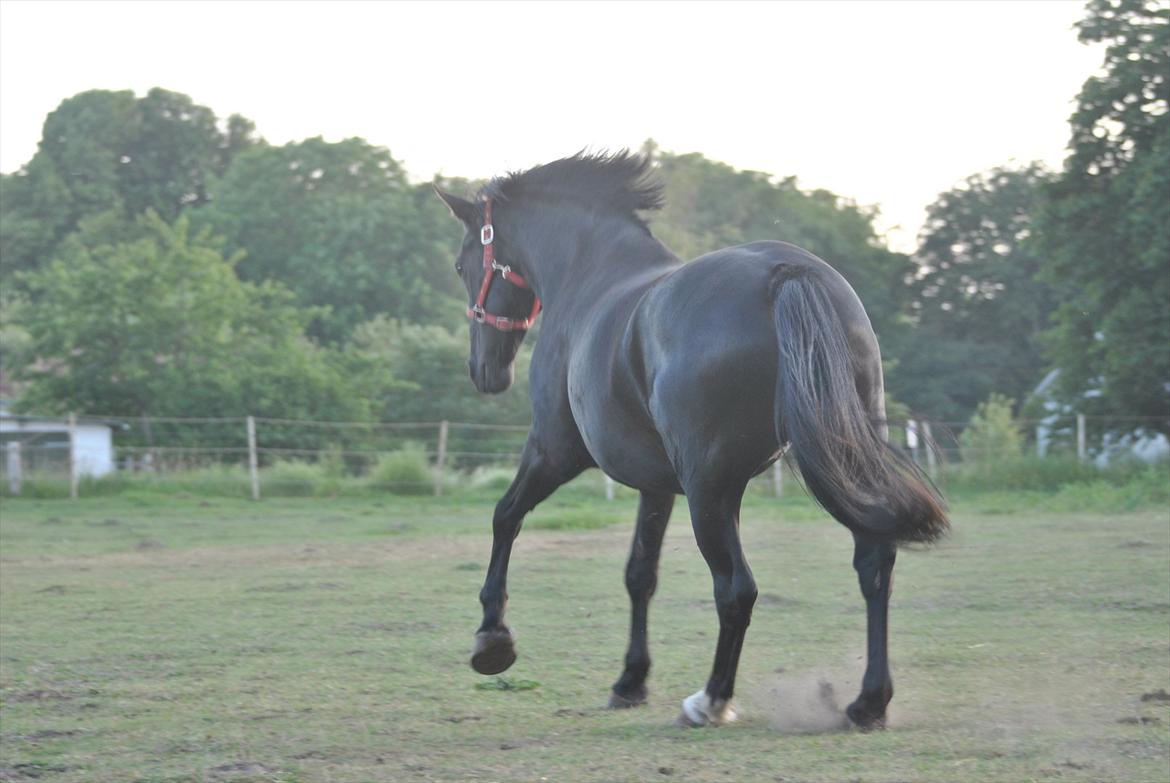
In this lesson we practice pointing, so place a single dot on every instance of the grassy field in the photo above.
(156, 639)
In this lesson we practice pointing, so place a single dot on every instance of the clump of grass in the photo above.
(214, 480)
(1046, 474)
(292, 479)
(403, 472)
(1064, 483)
(573, 519)
(496, 478)
(507, 684)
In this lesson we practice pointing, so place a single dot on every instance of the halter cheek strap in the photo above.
(476, 312)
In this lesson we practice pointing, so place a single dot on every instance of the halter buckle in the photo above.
(478, 314)
(487, 234)
(503, 270)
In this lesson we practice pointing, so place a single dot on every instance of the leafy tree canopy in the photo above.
(341, 226)
(146, 318)
(104, 151)
(1104, 232)
(710, 205)
(978, 305)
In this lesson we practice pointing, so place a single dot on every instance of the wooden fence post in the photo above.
(253, 461)
(73, 477)
(928, 444)
(441, 457)
(14, 467)
(1081, 451)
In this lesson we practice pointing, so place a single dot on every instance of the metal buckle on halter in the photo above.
(503, 270)
(478, 314)
(503, 323)
(487, 234)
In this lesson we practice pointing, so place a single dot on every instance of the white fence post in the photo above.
(14, 467)
(73, 477)
(912, 439)
(928, 444)
(253, 462)
(778, 477)
(610, 485)
(441, 457)
(1081, 437)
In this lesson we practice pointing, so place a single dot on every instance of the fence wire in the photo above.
(442, 455)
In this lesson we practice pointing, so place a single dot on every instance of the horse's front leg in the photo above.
(641, 580)
(494, 650)
(874, 561)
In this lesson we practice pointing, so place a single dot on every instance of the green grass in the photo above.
(179, 638)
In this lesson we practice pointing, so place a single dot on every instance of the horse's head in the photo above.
(498, 322)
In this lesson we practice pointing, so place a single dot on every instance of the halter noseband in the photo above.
(476, 312)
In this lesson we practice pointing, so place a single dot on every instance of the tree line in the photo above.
(156, 259)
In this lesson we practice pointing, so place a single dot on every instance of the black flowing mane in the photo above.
(618, 182)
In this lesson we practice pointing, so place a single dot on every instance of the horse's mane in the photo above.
(617, 182)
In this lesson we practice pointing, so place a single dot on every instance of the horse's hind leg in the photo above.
(874, 561)
(715, 518)
(641, 580)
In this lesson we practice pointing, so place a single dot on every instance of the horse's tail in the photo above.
(844, 458)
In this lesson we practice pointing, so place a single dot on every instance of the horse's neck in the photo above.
(582, 263)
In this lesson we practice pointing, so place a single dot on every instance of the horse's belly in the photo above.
(623, 443)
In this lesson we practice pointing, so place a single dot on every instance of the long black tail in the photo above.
(844, 459)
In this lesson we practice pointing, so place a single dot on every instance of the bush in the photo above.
(992, 436)
(496, 478)
(292, 478)
(215, 480)
(1046, 474)
(404, 472)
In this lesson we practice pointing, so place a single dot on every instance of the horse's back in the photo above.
(686, 373)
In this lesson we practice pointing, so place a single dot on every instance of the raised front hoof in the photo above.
(494, 651)
(699, 711)
(618, 701)
(864, 718)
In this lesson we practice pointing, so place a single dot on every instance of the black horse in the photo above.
(680, 379)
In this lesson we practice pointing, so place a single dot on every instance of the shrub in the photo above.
(291, 478)
(403, 472)
(992, 435)
(496, 478)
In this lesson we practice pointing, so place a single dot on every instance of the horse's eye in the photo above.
(458, 268)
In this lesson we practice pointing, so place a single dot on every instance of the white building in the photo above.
(50, 445)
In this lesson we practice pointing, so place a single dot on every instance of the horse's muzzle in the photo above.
(489, 379)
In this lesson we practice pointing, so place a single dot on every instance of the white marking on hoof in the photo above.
(700, 710)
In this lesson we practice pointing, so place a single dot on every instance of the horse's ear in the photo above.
(461, 208)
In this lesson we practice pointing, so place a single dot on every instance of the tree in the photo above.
(1104, 231)
(146, 318)
(411, 372)
(427, 375)
(340, 226)
(104, 151)
(711, 205)
(978, 305)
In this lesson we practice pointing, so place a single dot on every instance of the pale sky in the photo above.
(886, 103)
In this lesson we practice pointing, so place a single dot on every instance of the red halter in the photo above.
(476, 312)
